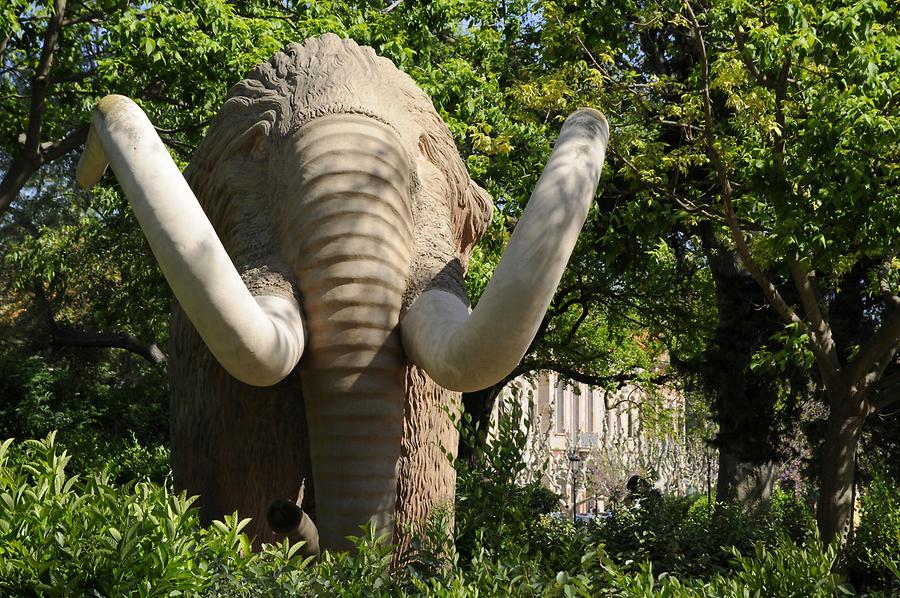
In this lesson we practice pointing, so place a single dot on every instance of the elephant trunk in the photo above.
(350, 234)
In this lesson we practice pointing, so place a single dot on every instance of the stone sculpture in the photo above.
(316, 247)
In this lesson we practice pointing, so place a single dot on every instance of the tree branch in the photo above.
(23, 167)
(581, 318)
(90, 17)
(773, 296)
(883, 400)
(887, 382)
(3, 44)
(52, 150)
(780, 93)
(60, 337)
(869, 364)
(41, 82)
(619, 380)
(684, 203)
(28, 160)
(64, 336)
(740, 37)
(761, 78)
(809, 298)
(557, 310)
(627, 399)
(191, 126)
(884, 269)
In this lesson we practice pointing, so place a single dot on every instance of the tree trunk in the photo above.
(744, 401)
(478, 406)
(842, 432)
(744, 482)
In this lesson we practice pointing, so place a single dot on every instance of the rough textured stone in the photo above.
(247, 174)
(319, 255)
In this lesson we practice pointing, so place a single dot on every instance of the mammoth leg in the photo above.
(239, 447)
(427, 481)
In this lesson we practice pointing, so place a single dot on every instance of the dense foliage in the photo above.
(77, 276)
(748, 228)
(64, 534)
(875, 546)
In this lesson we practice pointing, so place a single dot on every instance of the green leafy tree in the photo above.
(755, 124)
(803, 143)
(776, 125)
(82, 263)
(655, 239)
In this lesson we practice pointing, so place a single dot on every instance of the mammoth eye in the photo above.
(259, 147)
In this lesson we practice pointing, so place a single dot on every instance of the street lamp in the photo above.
(575, 461)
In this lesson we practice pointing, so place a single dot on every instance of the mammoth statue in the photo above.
(316, 247)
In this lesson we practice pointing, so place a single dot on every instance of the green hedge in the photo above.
(874, 553)
(85, 535)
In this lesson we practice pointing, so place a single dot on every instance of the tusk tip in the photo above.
(114, 103)
(93, 162)
(589, 118)
(85, 181)
(591, 113)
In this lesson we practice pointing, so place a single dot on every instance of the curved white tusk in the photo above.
(258, 340)
(466, 352)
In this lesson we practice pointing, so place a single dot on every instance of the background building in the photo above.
(614, 435)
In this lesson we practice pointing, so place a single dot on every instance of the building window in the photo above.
(576, 415)
(532, 407)
(590, 410)
(560, 408)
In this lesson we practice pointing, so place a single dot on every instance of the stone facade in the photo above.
(611, 438)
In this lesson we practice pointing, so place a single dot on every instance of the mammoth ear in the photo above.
(250, 141)
(470, 205)
(471, 220)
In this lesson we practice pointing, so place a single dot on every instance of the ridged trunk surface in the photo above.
(838, 467)
(349, 235)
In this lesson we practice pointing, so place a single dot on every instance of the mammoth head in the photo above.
(241, 176)
(328, 179)
(305, 113)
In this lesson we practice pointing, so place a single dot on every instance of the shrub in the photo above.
(874, 555)
(128, 460)
(678, 535)
(63, 535)
(788, 513)
(783, 569)
(493, 508)
(99, 406)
